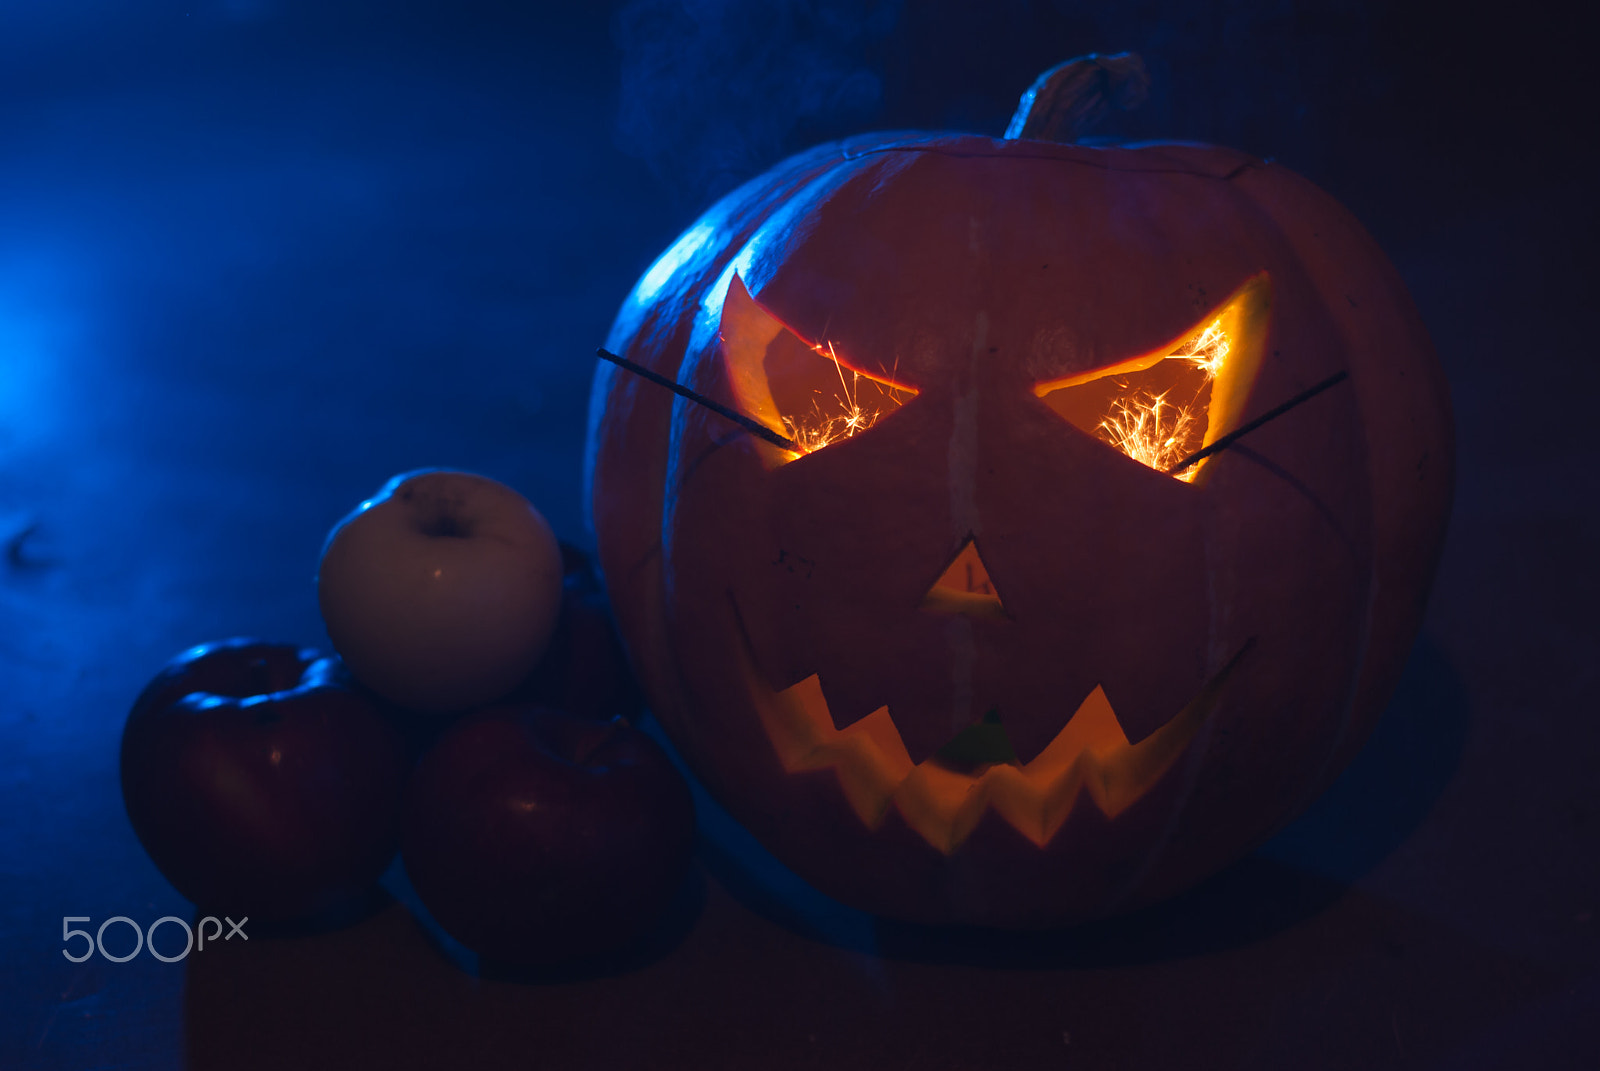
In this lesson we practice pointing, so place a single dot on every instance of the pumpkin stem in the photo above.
(1066, 101)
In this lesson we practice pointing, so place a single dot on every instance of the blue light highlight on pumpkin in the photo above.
(677, 255)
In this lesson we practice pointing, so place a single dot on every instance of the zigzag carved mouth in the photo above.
(1090, 758)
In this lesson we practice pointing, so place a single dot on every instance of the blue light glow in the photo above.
(30, 348)
(677, 255)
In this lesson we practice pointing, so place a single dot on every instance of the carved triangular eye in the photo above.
(805, 391)
(1161, 407)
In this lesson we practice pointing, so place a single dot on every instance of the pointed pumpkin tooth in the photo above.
(1126, 773)
(1021, 800)
(942, 805)
(1034, 709)
(870, 763)
(1102, 782)
(1092, 727)
(1065, 791)
(1090, 757)
(850, 698)
(810, 706)
(1144, 702)
(928, 726)
(867, 757)
(877, 731)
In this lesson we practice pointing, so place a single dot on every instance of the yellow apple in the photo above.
(442, 590)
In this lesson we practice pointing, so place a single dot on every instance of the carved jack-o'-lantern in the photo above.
(974, 644)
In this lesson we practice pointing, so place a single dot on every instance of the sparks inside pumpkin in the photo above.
(803, 390)
(1161, 407)
(818, 627)
(1156, 408)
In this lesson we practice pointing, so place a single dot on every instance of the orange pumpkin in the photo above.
(970, 652)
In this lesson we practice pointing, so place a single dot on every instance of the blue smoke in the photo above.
(714, 91)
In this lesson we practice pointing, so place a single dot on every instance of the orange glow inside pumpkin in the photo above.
(1160, 407)
(837, 410)
(1090, 760)
(805, 391)
(965, 588)
(812, 394)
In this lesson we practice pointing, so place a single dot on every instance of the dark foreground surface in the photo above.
(256, 257)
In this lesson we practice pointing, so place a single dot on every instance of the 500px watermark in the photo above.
(143, 939)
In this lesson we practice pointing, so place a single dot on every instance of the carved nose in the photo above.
(964, 588)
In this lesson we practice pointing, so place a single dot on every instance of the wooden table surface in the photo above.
(255, 257)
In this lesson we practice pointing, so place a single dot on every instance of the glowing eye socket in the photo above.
(1162, 407)
(820, 399)
(807, 392)
(1157, 415)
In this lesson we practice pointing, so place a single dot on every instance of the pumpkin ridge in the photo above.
(970, 272)
(1305, 492)
(1099, 163)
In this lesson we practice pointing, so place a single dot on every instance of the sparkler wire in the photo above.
(775, 439)
(1271, 414)
(753, 426)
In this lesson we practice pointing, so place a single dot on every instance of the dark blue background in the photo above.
(258, 255)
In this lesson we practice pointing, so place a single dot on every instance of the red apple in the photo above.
(441, 591)
(262, 780)
(584, 669)
(538, 837)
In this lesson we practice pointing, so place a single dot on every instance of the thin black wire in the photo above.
(757, 428)
(754, 427)
(1271, 414)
